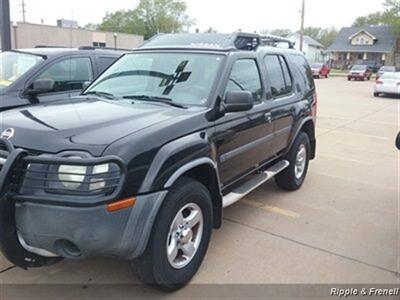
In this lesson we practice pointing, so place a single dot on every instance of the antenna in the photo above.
(23, 10)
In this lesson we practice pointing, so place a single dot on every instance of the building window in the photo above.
(99, 44)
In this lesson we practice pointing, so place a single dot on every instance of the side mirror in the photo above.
(41, 86)
(398, 141)
(86, 84)
(238, 101)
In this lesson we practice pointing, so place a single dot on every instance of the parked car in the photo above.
(320, 70)
(45, 74)
(140, 166)
(398, 141)
(385, 69)
(388, 84)
(360, 72)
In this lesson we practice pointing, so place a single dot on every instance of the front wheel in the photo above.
(179, 239)
(293, 177)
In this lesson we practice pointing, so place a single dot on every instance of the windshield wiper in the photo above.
(101, 94)
(164, 100)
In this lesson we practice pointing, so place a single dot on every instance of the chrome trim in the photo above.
(254, 183)
(182, 170)
(34, 250)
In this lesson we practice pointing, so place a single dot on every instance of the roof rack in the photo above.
(215, 41)
(49, 47)
(102, 48)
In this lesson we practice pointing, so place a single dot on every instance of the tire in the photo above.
(154, 267)
(288, 179)
(376, 94)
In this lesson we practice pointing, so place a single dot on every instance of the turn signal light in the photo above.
(122, 204)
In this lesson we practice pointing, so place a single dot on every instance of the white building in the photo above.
(313, 50)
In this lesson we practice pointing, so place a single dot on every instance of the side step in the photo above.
(254, 183)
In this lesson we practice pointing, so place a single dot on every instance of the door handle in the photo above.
(268, 117)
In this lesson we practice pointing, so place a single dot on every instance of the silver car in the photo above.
(385, 69)
(389, 83)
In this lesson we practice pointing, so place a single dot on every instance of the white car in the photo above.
(389, 83)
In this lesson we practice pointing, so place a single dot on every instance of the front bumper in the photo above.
(77, 233)
(36, 232)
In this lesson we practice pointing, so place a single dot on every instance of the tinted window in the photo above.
(104, 62)
(185, 78)
(306, 76)
(286, 75)
(69, 74)
(278, 75)
(246, 77)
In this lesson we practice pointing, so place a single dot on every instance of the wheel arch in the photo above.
(307, 126)
(205, 171)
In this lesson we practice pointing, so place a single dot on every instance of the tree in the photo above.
(313, 32)
(374, 19)
(211, 30)
(278, 32)
(391, 16)
(149, 18)
(328, 36)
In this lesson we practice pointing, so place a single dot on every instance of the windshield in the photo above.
(359, 68)
(391, 75)
(316, 66)
(13, 65)
(184, 78)
(387, 69)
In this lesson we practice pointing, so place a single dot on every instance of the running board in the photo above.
(254, 183)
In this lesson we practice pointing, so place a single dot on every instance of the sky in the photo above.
(223, 15)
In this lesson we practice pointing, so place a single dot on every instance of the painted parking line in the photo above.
(345, 159)
(359, 134)
(271, 209)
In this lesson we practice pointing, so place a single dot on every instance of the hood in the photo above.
(82, 124)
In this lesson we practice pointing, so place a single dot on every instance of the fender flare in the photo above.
(297, 131)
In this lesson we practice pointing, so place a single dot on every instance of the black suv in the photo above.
(141, 165)
(45, 74)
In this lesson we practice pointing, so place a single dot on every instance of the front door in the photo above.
(244, 139)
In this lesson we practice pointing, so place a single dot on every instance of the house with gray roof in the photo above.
(312, 49)
(373, 45)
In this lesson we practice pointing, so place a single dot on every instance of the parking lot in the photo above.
(341, 227)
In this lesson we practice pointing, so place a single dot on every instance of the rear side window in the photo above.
(303, 67)
(245, 76)
(278, 75)
(103, 62)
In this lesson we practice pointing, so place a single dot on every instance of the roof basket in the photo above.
(215, 41)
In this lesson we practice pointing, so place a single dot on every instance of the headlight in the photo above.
(72, 177)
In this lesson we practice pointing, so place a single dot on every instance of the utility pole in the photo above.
(303, 12)
(5, 26)
(23, 11)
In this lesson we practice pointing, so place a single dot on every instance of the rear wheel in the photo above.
(293, 177)
(376, 94)
(179, 239)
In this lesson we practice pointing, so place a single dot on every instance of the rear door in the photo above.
(282, 95)
(244, 139)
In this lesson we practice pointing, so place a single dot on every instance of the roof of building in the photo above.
(309, 40)
(385, 40)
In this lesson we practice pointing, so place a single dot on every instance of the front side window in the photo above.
(246, 77)
(183, 78)
(15, 64)
(69, 74)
